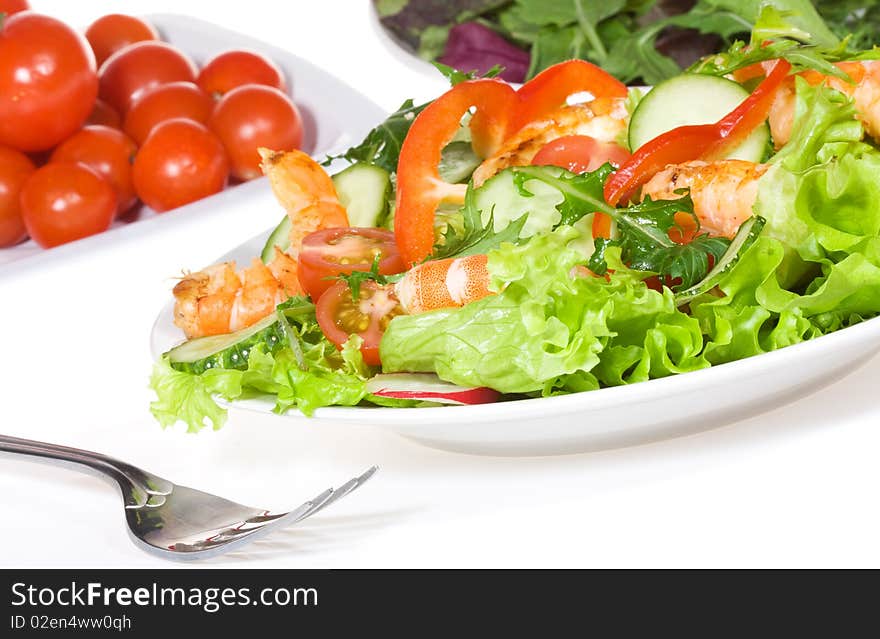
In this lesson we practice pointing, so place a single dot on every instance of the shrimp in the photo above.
(723, 192)
(219, 299)
(865, 93)
(449, 283)
(604, 119)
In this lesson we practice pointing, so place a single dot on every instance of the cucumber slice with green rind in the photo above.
(228, 351)
(363, 190)
(693, 99)
(279, 237)
(746, 235)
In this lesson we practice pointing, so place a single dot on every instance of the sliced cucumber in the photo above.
(227, 351)
(280, 237)
(693, 99)
(500, 197)
(746, 235)
(364, 191)
(457, 162)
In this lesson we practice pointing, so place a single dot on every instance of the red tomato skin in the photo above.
(180, 162)
(11, 7)
(131, 71)
(62, 202)
(233, 69)
(108, 34)
(15, 168)
(109, 153)
(325, 311)
(47, 81)
(316, 274)
(166, 102)
(104, 115)
(254, 116)
(580, 153)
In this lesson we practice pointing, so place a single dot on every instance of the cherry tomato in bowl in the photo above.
(47, 81)
(232, 69)
(165, 102)
(10, 7)
(62, 202)
(254, 116)
(580, 153)
(340, 315)
(108, 34)
(15, 168)
(109, 153)
(328, 253)
(180, 162)
(131, 71)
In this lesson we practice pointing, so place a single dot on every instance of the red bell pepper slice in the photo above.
(548, 90)
(694, 142)
(420, 189)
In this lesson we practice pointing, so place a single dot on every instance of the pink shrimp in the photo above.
(723, 192)
(448, 283)
(865, 93)
(218, 300)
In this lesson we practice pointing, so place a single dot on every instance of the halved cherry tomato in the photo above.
(47, 81)
(327, 253)
(704, 141)
(340, 316)
(580, 153)
(109, 153)
(181, 161)
(164, 102)
(549, 90)
(232, 69)
(419, 186)
(108, 34)
(254, 116)
(15, 168)
(105, 115)
(62, 202)
(131, 71)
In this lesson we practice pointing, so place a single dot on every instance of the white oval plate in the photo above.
(607, 418)
(334, 117)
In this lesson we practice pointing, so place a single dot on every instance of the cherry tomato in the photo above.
(15, 168)
(62, 202)
(131, 71)
(10, 7)
(328, 253)
(105, 115)
(166, 102)
(580, 153)
(47, 81)
(108, 34)
(181, 162)
(252, 116)
(233, 69)
(109, 153)
(340, 316)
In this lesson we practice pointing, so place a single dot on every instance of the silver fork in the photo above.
(177, 522)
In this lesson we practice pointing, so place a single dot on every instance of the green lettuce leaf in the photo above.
(549, 331)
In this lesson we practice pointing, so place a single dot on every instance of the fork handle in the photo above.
(137, 485)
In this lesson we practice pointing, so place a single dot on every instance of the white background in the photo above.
(795, 487)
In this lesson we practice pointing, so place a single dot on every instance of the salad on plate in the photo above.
(564, 236)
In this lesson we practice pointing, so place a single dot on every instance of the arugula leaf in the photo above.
(356, 278)
(582, 192)
(382, 145)
(457, 77)
(475, 238)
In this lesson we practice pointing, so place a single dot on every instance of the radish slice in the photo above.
(428, 387)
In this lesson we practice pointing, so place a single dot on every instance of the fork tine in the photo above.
(342, 491)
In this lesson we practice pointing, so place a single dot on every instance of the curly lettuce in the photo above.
(549, 330)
